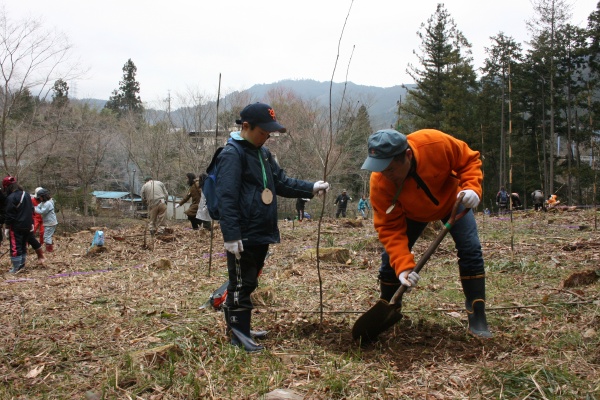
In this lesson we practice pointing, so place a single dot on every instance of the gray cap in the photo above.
(384, 145)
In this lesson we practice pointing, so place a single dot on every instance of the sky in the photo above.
(182, 46)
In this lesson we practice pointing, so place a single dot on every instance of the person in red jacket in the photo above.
(416, 179)
(38, 222)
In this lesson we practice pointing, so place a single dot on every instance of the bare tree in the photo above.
(31, 59)
(91, 136)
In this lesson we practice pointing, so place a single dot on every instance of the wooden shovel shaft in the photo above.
(433, 246)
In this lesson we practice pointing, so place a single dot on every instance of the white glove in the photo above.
(235, 247)
(409, 278)
(6, 233)
(471, 200)
(320, 188)
(177, 205)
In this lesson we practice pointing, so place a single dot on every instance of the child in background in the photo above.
(18, 222)
(46, 210)
(38, 223)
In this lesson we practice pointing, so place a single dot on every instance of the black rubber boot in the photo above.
(253, 334)
(388, 290)
(474, 290)
(258, 334)
(238, 321)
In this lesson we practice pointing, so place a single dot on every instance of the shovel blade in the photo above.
(376, 320)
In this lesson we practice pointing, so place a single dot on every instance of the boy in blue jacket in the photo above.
(247, 190)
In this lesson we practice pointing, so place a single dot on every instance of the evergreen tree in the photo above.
(354, 139)
(494, 99)
(356, 132)
(23, 105)
(60, 96)
(551, 16)
(446, 84)
(593, 31)
(126, 99)
(572, 84)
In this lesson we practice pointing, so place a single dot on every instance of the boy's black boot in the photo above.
(238, 321)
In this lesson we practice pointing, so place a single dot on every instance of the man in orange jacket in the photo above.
(416, 179)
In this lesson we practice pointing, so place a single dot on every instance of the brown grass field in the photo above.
(126, 323)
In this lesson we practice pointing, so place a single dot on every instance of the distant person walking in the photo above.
(300, 202)
(45, 208)
(155, 197)
(502, 200)
(342, 203)
(363, 206)
(195, 193)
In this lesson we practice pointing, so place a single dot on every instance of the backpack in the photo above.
(503, 197)
(209, 186)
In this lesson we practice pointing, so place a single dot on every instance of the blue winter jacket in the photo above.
(239, 187)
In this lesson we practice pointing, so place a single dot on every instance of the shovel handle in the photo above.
(433, 246)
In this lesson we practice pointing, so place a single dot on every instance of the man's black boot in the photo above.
(238, 321)
(474, 290)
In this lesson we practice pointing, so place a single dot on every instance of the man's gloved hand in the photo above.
(177, 205)
(409, 278)
(6, 233)
(320, 188)
(235, 247)
(471, 200)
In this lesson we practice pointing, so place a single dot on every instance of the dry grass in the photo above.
(82, 327)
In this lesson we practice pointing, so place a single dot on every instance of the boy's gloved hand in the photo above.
(177, 205)
(320, 188)
(235, 247)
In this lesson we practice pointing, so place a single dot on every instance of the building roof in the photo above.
(125, 196)
(100, 194)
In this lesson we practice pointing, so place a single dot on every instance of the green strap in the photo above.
(262, 165)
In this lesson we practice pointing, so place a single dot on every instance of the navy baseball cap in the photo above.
(262, 115)
(384, 145)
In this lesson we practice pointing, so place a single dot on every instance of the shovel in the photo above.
(384, 315)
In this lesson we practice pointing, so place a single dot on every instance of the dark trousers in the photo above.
(33, 241)
(466, 241)
(243, 275)
(18, 242)
(300, 214)
(341, 210)
(195, 222)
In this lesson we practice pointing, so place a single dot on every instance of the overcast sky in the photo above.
(183, 45)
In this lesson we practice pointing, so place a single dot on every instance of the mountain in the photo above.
(96, 104)
(381, 102)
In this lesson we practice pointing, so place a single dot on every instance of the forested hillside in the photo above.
(531, 110)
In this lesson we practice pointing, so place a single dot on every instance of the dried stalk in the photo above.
(326, 160)
(212, 223)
